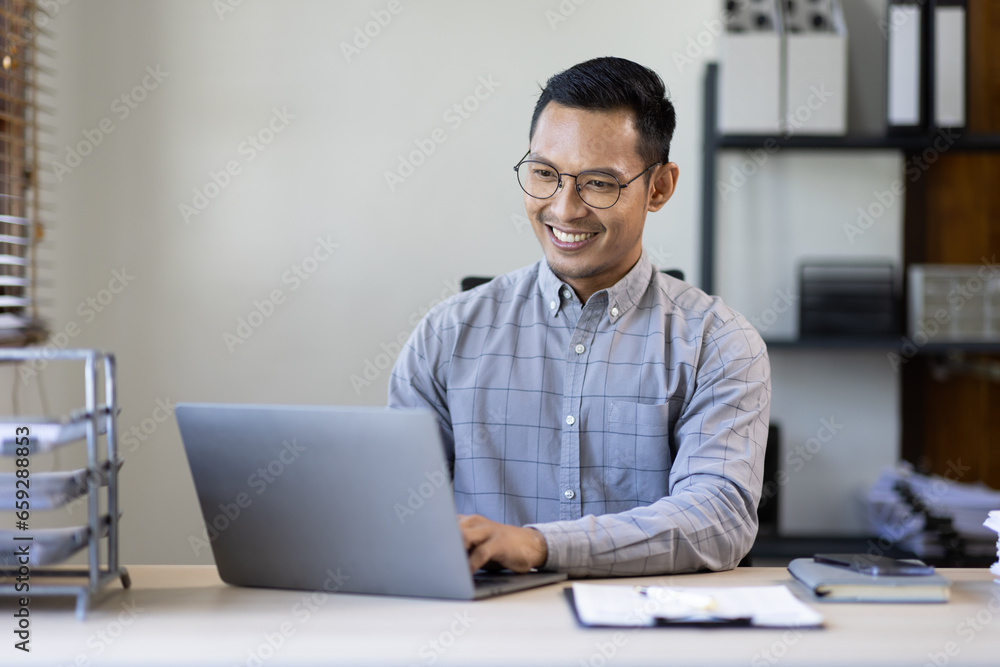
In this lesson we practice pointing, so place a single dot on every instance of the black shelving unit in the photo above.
(911, 145)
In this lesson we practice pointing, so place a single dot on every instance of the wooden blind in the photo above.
(22, 126)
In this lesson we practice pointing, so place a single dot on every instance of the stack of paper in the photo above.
(895, 521)
(993, 523)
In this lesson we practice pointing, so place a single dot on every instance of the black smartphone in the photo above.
(876, 565)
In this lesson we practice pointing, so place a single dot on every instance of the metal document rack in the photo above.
(49, 547)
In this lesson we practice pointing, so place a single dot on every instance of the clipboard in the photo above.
(622, 606)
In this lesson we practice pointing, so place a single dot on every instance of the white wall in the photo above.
(323, 176)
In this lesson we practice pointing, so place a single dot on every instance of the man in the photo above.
(600, 417)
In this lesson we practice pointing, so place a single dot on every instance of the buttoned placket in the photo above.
(577, 355)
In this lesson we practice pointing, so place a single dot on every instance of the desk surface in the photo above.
(185, 615)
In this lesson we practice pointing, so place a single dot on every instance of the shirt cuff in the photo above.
(567, 550)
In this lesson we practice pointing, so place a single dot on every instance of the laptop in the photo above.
(339, 499)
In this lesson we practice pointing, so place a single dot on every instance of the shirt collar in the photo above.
(622, 296)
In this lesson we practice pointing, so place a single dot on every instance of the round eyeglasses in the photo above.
(597, 189)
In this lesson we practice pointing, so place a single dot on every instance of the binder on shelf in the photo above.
(949, 49)
(907, 77)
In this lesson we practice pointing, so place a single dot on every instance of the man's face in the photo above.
(575, 140)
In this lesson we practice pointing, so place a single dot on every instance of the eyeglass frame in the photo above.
(560, 174)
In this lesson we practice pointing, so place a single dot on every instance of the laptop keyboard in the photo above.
(490, 578)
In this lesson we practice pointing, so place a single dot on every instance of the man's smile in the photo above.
(569, 240)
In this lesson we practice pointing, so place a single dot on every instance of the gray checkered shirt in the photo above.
(630, 431)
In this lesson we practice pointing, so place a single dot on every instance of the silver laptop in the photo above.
(341, 499)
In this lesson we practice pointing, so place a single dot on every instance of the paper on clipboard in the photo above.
(633, 606)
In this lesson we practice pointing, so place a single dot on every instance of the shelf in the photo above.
(972, 348)
(967, 142)
(955, 139)
(894, 344)
(841, 343)
(713, 141)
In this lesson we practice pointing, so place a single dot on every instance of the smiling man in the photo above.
(600, 417)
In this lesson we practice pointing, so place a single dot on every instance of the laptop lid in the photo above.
(350, 499)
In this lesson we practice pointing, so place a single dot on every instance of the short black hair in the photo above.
(610, 84)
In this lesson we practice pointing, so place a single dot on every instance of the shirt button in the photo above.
(552, 305)
(570, 420)
(614, 311)
(579, 349)
(569, 494)
(567, 294)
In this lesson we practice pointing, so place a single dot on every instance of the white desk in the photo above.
(187, 616)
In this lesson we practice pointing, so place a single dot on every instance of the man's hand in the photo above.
(518, 549)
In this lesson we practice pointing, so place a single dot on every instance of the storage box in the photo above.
(815, 100)
(783, 68)
(848, 300)
(954, 303)
(750, 93)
